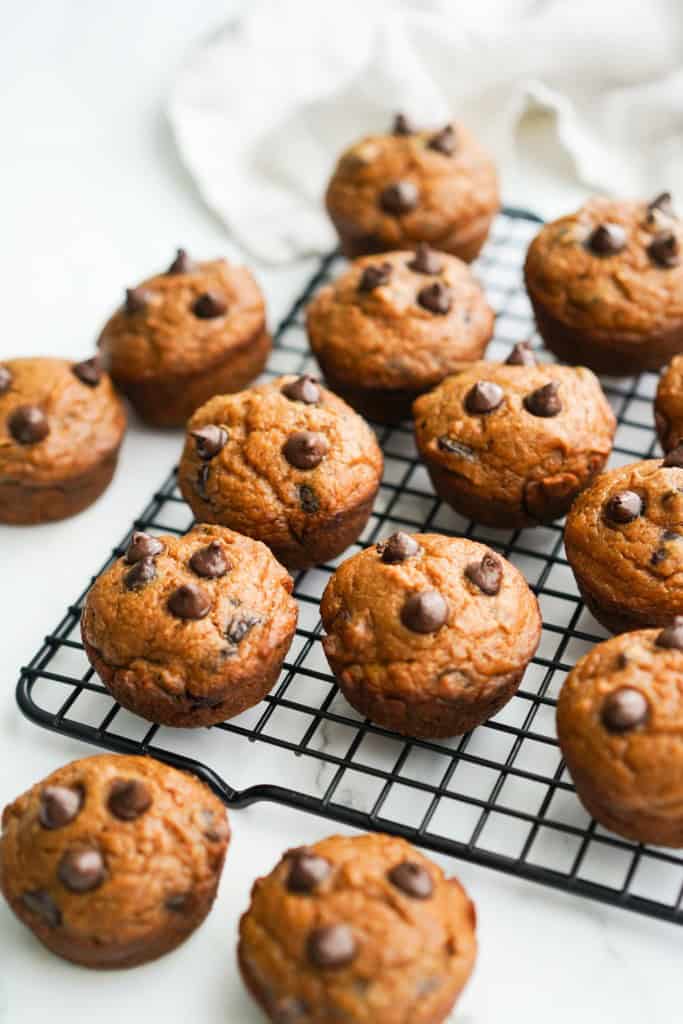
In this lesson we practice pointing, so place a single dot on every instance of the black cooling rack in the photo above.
(499, 796)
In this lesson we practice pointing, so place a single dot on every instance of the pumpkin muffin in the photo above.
(669, 405)
(393, 326)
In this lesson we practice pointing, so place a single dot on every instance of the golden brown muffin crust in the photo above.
(669, 405)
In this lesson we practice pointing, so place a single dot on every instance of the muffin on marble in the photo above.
(669, 405)
(61, 427)
(512, 444)
(197, 330)
(287, 463)
(392, 191)
(606, 285)
(112, 861)
(429, 635)
(619, 720)
(357, 928)
(189, 631)
(393, 326)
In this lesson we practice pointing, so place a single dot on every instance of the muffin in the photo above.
(606, 285)
(189, 631)
(393, 326)
(512, 444)
(61, 427)
(619, 725)
(180, 337)
(287, 463)
(429, 635)
(624, 542)
(669, 405)
(357, 928)
(112, 861)
(392, 191)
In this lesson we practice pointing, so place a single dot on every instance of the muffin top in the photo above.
(614, 265)
(620, 718)
(107, 848)
(519, 431)
(414, 184)
(429, 616)
(359, 928)
(57, 419)
(183, 320)
(400, 319)
(190, 615)
(669, 405)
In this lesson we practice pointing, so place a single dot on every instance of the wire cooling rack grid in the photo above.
(499, 796)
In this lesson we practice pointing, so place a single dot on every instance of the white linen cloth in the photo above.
(261, 111)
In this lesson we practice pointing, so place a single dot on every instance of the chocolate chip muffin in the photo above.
(113, 861)
(359, 929)
(61, 427)
(395, 190)
(511, 444)
(287, 463)
(624, 542)
(393, 326)
(192, 630)
(429, 635)
(606, 285)
(180, 337)
(669, 405)
(619, 725)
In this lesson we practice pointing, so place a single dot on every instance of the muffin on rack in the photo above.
(197, 330)
(669, 405)
(61, 427)
(287, 463)
(359, 929)
(393, 326)
(619, 719)
(189, 631)
(112, 861)
(512, 444)
(412, 185)
(429, 635)
(606, 285)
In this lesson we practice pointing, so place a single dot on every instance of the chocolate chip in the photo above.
(215, 827)
(444, 141)
(201, 481)
(305, 449)
(308, 499)
(142, 573)
(403, 126)
(412, 879)
(304, 389)
(136, 300)
(521, 355)
(209, 305)
(486, 574)
(437, 298)
(453, 447)
(289, 1011)
(399, 197)
(607, 239)
(333, 946)
(623, 507)
(81, 870)
(374, 276)
(210, 561)
(397, 548)
(210, 440)
(89, 371)
(544, 401)
(59, 805)
(238, 627)
(672, 636)
(178, 902)
(28, 424)
(664, 249)
(142, 545)
(624, 709)
(484, 397)
(662, 552)
(128, 799)
(189, 602)
(182, 264)
(424, 612)
(663, 202)
(674, 458)
(307, 871)
(426, 260)
(40, 902)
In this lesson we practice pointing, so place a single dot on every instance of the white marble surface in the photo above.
(93, 197)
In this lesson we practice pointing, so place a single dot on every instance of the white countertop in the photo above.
(92, 198)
